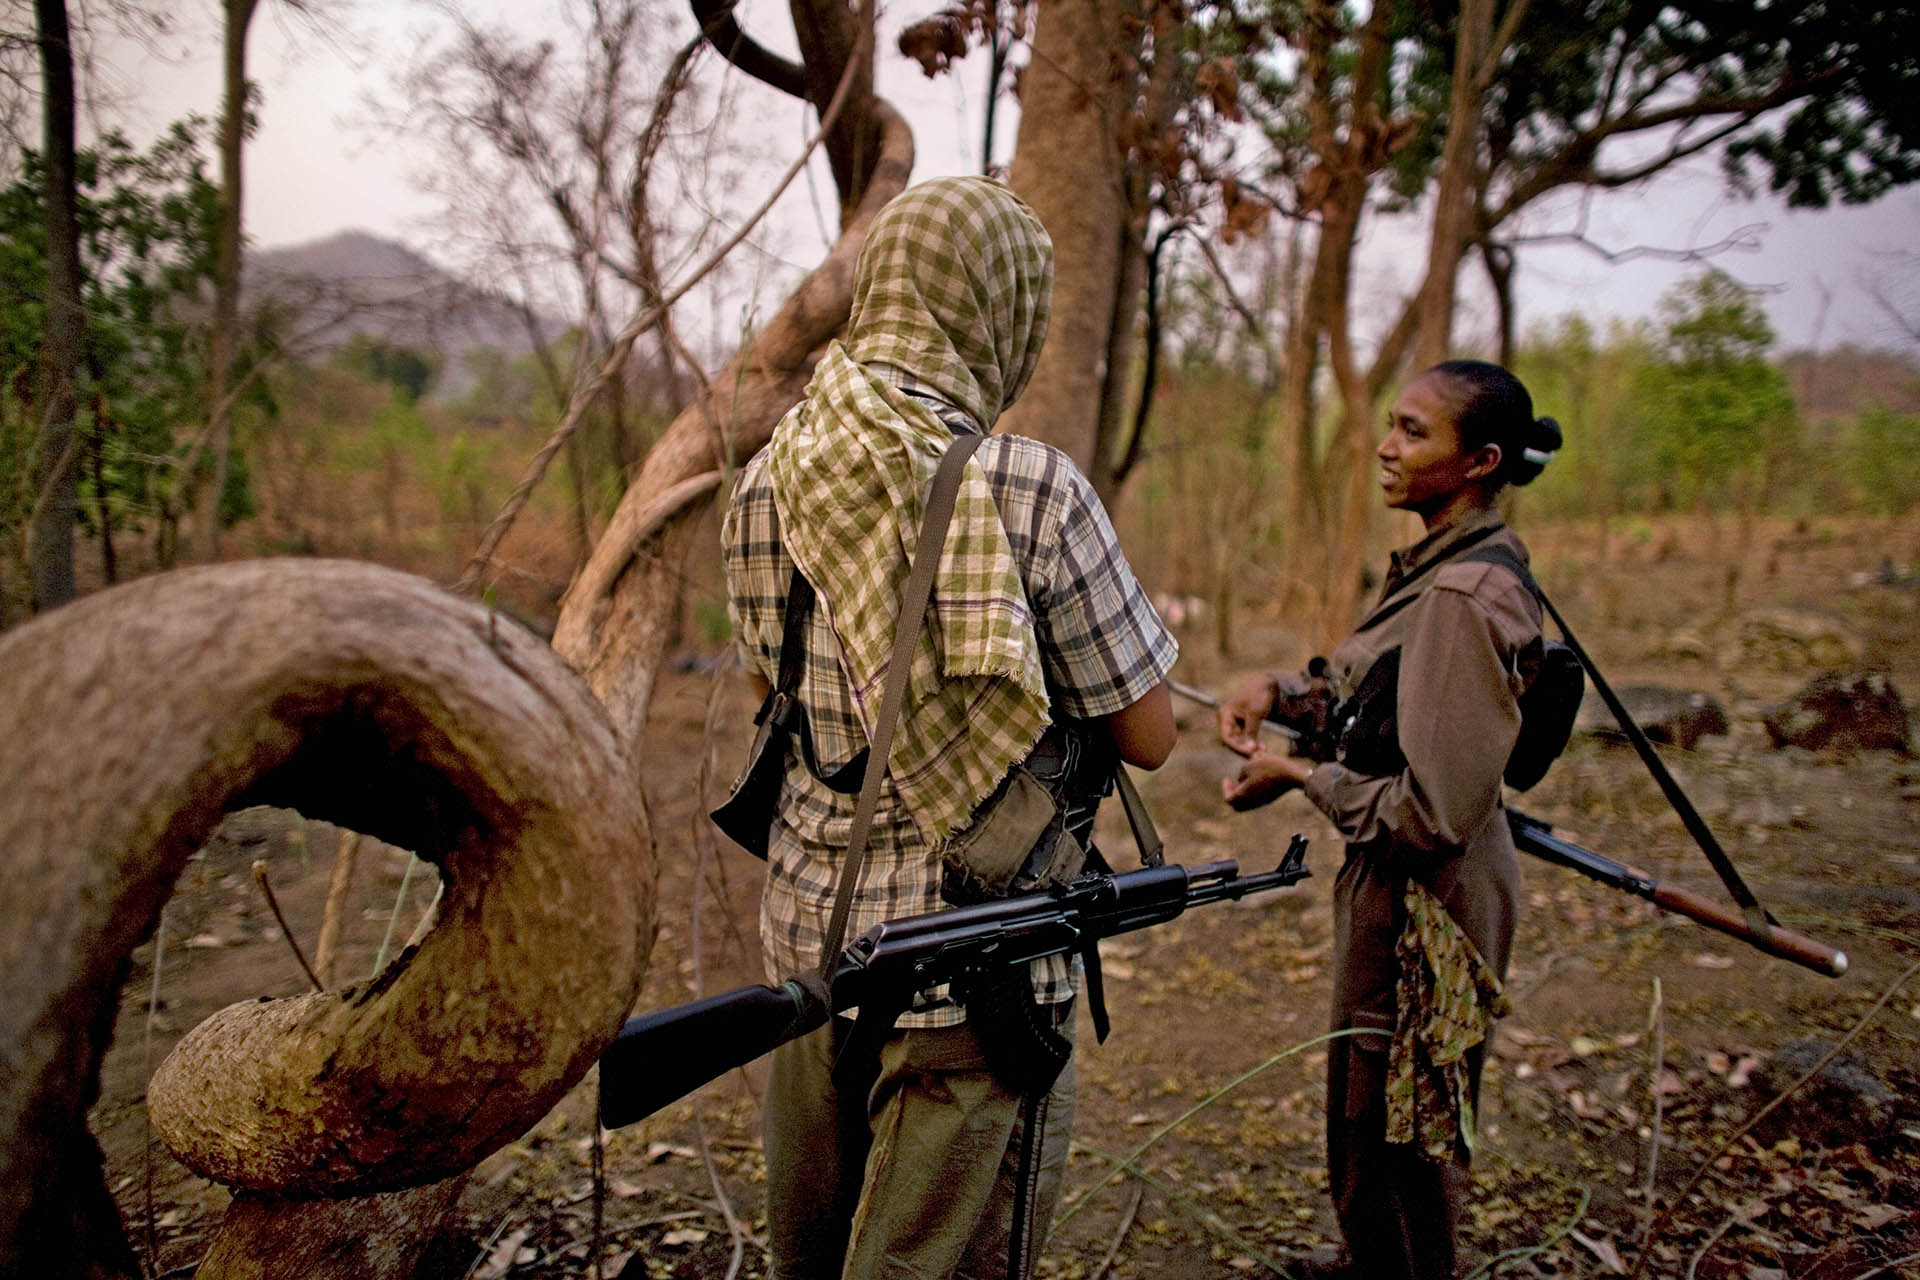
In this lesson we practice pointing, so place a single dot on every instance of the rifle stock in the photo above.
(1533, 836)
(669, 1053)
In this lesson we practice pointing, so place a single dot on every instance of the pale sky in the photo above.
(316, 167)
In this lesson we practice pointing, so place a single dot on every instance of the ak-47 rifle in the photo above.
(664, 1055)
(1533, 836)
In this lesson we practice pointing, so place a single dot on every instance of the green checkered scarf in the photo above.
(953, 287)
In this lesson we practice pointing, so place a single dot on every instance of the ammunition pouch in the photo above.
(1033, 832)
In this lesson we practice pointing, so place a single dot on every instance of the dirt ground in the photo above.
(1639, 1044)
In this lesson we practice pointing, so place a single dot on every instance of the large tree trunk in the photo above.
(1107, 468)
(1346, 158)
(360, 696)
(1454, 192)
(614, 619)
(52, 500)
(222, 338)
(1067, 165)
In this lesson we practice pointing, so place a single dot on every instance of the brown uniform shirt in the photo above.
(1468, 647)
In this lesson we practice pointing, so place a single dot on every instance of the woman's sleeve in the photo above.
(1457, 715)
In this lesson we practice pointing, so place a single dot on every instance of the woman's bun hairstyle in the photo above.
(1494, 408)
(1541, 442)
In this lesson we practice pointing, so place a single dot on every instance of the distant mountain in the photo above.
(358, 283)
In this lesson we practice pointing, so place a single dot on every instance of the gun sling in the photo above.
(1758, 917)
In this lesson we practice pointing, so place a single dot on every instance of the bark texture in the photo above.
(222, 337)
(1454, 191)
(361, 1238)
(353, 694)
(1067, 165)
(614, 620)
(53, 499)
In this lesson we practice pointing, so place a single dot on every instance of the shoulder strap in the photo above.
(913, 610)
(1507, 558)
(1758, 917)
(846, 779)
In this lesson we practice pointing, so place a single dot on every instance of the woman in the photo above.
(1424, 905)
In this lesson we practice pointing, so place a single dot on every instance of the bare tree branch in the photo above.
(623, 343)
(718, 28)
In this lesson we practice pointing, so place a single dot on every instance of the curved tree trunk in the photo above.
(614, 619)
(353, 694)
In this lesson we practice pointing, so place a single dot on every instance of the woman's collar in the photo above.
(1437, 543)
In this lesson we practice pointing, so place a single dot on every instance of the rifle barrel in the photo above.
(1193, 693)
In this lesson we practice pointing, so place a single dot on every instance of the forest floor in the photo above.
(1640, 1048)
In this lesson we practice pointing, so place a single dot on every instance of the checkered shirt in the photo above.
(1102, 646)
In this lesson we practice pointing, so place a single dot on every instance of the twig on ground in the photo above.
(486, 1246)
(1657, 1027)
(293, 943)
(599, 1183)
(1130, 1165)
(1534, 1250)
(1640, 1260)
(146, 1146)
(1886, 1269)
(1706, 1246)
(399, 900)
(345, 854)
(1120, 1233)
(736, 1229)
(1206, 1217)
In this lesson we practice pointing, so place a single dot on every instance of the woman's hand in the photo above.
(1241, 714)
(1263, 779)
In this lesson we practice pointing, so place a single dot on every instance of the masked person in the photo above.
(1424, 904)
(906, 1164)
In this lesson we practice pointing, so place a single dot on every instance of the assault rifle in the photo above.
(667, 1054)
(1533, 836)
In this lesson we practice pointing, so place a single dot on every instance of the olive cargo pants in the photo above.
(909, 1173)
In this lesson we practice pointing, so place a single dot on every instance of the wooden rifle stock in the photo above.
(1533, 836)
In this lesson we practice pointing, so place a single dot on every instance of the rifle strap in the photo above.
(1020, 1239)
(1152, 851)
(913, 611)
(1758, 917)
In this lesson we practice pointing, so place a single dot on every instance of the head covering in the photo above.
(953, 288)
